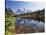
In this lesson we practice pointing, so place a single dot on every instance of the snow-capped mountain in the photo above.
(22, 11)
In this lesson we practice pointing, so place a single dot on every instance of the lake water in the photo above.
(35, 24)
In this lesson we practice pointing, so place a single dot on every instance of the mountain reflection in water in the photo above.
(36, 25)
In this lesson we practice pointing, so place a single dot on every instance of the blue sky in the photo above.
(22, 4)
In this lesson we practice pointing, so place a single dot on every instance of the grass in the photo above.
(9, 24)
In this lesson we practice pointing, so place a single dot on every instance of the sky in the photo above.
(14, 5)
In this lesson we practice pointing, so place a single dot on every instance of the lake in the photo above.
(29, 25)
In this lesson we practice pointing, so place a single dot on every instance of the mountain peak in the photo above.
(23, 10)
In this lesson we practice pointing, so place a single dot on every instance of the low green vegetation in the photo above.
(9, 23)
